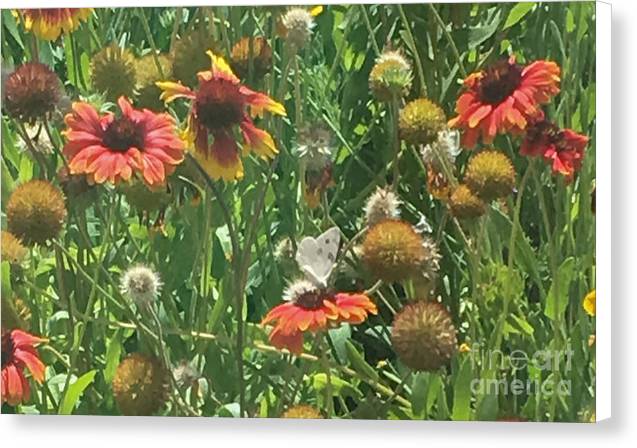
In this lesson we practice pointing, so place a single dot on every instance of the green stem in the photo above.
(449, 38)
(151, 42)
(414, 48)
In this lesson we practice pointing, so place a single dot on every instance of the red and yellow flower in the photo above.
(49, 23)
(114, 147)
(563, 149)
(18, 352)
(504, 98)
(219, 107)
(308, 308)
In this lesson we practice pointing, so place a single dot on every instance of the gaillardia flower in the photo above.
(12, 249)
(420, 121)
(589, 303)
(504, 98)
(490, 175)
(49, 23)
(140, 385)
(31, 92)
(423, 336)
(147, 75)
(18, 352)
(36, 212)
(113, 72)
(563, 149)
(382, 204)
(141, 284)
(113, 147)
(393, 250)
(251, 50)
(465, 204)
(309, 308)
(218, 107)
(302, 411)
(391, 76)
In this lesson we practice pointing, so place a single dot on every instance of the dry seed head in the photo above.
(382, 204)
(446, 145)
(298, 24)
(141, 284)
(140, 385)
(189, 57)
(145, 199)
(302, 411)
(465, 204)
(147, 75)
(12, 249)
(36, 212)
(393, 250)
(314, 146)
(423, 336)
(113, 72)
(420, 121)
(391, 76)
(31, 92)
(490, 174)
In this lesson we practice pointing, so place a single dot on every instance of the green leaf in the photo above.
(339, 386)
(113, 353)
(75, 391)
(462, 392)
(517, 13)
(359, 364)
(419, 392)
(557, 298)
(479, 34)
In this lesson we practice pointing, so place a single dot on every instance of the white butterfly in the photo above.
(317, 256)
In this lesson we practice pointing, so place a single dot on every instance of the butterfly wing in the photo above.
(317, 256)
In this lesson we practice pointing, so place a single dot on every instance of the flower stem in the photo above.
(329, 399)
(412, 45)
(151, 42)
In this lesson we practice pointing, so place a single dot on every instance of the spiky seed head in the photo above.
(31, 92)
(490, 174)
(420, 121)
(147, 75)
(314, 146)
(140, 385)
(302, 411)
(298, 24)
(113, 72)
(382, 204)
(447, 145)
(426, 282)
(393, 250)
(36, 212)
(141, 284)
(423, 336)
(189, 57)
(391, 76)
(261, 59)
(465, 204)
(185, 374)
(12, 249)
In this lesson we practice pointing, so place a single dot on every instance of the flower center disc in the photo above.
(219, 104)
(123, 134)
(499, 82)
(311, 300)
(7, 349)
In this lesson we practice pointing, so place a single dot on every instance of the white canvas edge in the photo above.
(603, 13)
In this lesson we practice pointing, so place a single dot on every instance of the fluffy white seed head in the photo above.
(381, 204)
(297, 289)
(447, 145)
(298, 24)
(141, 284)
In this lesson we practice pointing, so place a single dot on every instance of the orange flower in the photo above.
(219, 106)
(18, 352)
(313, 309)
(48, 24)
(563, 149)
(111, 147)
(504, 98)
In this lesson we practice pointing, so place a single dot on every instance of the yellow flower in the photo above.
(49, 23)
(589, 303)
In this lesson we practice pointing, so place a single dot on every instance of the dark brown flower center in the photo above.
(219, 104)
(7, 348)
(312, 300)
(499, 82)
(547, 133)
(123, 134)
